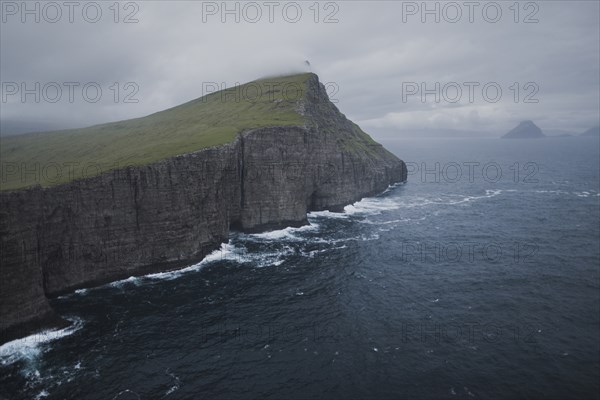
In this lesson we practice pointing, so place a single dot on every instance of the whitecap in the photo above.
(376, 205)
(488, 194)
(392, 187)
(132, 279)
(551, 191)
(285, 233)
(312, 253)
(227, 251)
(30, 347)
(265, 259)
(327, 214)
(42, 394)
(372, 205)
(176, 385)
(582, 194)
(333, 241)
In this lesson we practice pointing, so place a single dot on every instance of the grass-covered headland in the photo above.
(50, 158)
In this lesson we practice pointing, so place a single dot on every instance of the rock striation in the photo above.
(173, 212)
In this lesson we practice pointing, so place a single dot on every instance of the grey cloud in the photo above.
(367, 56)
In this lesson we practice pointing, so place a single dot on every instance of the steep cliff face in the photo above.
(173, 212)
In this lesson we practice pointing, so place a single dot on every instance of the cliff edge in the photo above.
(165, 212)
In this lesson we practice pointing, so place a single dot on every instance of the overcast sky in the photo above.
(376, 57)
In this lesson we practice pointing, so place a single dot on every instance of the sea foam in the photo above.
(30, 347)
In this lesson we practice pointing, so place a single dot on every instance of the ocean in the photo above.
(479, 278)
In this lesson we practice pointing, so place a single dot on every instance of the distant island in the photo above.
(525, 130)
(529, 130)
(593, 132)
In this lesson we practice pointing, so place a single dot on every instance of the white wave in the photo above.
(276, 258)
(393, 221)
(170, 275)
(81, 292)
(312, 253)
(132, 279)
(488, 194)
(176, 384)
(30, 347)
(227, 251)
(372, 205)
(586, 194)
(285, 233)
(327, 214)
(131, 392)
(334, 241)
(373, 236)
(392, 187)
(376, 205)
(42, 394)
(366, 205)
(583, 193)
(551, 191)
(360, 238)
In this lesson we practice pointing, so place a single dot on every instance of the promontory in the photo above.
(88, 206)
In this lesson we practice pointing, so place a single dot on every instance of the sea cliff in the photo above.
(172, 212)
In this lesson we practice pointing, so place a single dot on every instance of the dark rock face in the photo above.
(174, 212)
(525, 130)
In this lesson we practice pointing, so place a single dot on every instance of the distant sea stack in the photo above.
(166, 189)
(525, 130)
(593, 132)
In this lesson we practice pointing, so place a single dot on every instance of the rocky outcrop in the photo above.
(165, 215)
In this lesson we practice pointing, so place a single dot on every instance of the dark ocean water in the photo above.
(478, 286)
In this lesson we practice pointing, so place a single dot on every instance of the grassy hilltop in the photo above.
(208, 121)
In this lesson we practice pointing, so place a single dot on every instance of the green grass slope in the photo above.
(51, 158)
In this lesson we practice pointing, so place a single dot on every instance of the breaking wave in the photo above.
(29, 348)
